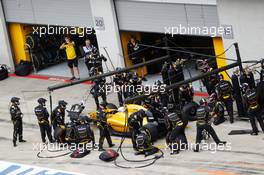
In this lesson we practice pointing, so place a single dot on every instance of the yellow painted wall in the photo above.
(18, 34)
(125, 37)
(219, 51)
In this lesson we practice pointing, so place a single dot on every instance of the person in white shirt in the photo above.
(89, 51)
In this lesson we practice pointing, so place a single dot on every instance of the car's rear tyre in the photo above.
(152, 128)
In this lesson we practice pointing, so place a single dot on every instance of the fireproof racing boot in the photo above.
(196, 150)
(254, 133)
(73, 78)
(101, 149)
(112, 145)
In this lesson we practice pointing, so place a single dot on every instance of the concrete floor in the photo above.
(245, 157)
(62, 70)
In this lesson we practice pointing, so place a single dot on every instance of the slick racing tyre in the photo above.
(189, 112)
(152, 128)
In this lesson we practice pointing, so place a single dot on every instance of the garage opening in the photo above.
(40, 44)
(154, 45)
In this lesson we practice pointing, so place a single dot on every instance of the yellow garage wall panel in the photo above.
(18, 34)
(125, 37)
(219, 51)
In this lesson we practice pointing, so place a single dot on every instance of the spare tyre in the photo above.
(189, 112)
(152, 128)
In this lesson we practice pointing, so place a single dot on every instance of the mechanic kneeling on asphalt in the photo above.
(43, 120)
(217, 109)
(176, 138)
(144, 144)
(16, 117)
(203, 123)
(135, 122)
(103, 127)
(253, 108)
(224, 92)
(84, 136)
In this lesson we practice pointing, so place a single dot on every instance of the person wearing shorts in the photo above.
(71, 57)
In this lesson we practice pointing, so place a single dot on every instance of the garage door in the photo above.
(53, 12)
(154, 16)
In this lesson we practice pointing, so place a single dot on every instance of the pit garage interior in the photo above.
(24, 16)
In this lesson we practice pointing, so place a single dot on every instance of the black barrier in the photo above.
(176, 85)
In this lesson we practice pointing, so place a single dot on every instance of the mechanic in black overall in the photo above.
(253, 108)
(135, 122)
(43, 120)
(217, 109)
(84, 136)
(58, 114)
(186, 94)
(119, 80)
(103, 127)
(176, 138)
(98, 89)
(16, 117)
(224, 90)
(203, 123)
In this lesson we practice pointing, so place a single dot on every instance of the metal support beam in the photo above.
(239, 61)
(59, 86)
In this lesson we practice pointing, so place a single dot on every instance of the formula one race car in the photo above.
(117, 119)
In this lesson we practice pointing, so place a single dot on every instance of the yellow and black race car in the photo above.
(117, 119)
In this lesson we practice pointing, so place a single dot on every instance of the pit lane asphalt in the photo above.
(246, 156)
